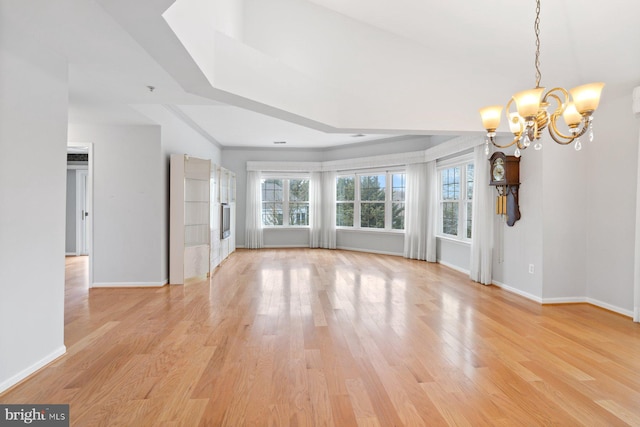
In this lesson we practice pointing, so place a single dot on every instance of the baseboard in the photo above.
(526, 295)
(565, 300)
(369, 251)
(586, 300)
(70, 254)
(610, 307)
(569, 300)
(10, 382)
(453, 267)
(129, 284)
(283, 246)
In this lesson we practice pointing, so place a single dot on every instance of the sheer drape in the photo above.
(253, 225)
(322, 222)
(421, 207)
(482, 220)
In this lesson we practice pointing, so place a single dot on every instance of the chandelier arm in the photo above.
(565, 139)
(552, 94)
(493, 141)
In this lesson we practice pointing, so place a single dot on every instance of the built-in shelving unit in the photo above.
(198, 190)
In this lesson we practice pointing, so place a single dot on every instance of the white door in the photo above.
(82, 216)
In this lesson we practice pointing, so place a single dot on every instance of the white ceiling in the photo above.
(315, 72)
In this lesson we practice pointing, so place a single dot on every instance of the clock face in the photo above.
(498, 170)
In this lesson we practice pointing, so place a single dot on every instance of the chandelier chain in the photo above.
(537, 30)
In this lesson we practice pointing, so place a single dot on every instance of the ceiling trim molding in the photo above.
(384, 160)
(453, 146)
(284, 166)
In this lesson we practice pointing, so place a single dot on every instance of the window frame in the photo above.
(286, 178)
(463, 202)
(357, 202)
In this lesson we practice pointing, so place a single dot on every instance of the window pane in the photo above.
(299, 190)
(372, 187)
(272, 213)
(372, 215)
(470, 181)
(272, 207)
(272, 190)
(469, 213)
(450, 218)
(345, 188)
(397, 216)
(451, 183)
(398, 185)
(344, 214)
(299, 213)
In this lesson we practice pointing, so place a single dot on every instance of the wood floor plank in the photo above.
(301, 337)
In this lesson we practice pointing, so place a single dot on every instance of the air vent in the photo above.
(77, 157)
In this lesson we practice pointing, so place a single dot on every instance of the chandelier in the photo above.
(575, 106)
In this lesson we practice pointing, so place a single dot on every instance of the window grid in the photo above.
(285, 202)
(345, 201)
(456, 200)
(371, 201)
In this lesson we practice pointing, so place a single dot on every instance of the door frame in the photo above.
(89, 203)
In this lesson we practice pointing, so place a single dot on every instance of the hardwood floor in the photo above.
(315, 337)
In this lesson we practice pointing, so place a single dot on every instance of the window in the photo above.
(372, 197)
(298, 202)
(398, 186)
(372, 201)
(455, 199)
(285, 202)
(345, 201)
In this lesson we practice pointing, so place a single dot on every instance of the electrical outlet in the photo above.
(530, 268)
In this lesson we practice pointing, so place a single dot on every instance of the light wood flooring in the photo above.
(315, 337)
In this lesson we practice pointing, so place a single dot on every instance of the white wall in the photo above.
(454, 254)
(578, 216)
(333, 49)
(33, 141)
(370, 241)
(565, 230)
(611, 184)
(127, 203)
(176, 138)
(518, 246)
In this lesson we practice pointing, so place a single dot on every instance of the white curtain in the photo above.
(322, 222)
(482, 220)
(253, 225)
(421, 208)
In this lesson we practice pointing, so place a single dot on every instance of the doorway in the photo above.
(80, 208)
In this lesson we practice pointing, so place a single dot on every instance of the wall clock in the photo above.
(505, 176)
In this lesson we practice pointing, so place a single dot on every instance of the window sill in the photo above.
(370, 230)
(286, 227)
(454, 240)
